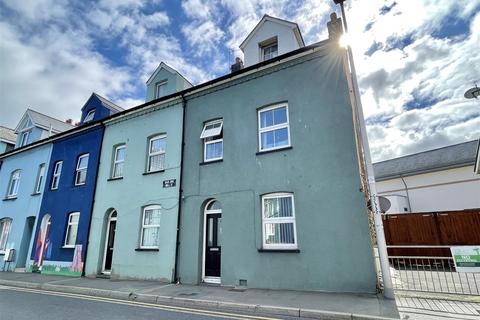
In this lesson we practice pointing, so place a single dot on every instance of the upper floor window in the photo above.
(212, 135)
(156, 153)
(81, 171)
(278, 221)
(5, 225)
(118, 160)
(160, 89)
(40, 177)
(12, 190)
(269, 49)
(72, 229)
(150, 227)
(89, 116)
(273, 128)
(57, 170)
(24, 138)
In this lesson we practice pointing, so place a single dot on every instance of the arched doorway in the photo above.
(212, 246)
(109, 241)
(43, 242)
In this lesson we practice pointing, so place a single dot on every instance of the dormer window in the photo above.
(24, 138)
(161, 89)
(269, 49)
(89, 116)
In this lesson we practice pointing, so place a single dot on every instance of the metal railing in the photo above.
(432, 274)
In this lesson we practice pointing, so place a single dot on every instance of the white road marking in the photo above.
(143, 304)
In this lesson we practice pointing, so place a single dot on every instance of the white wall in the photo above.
(286, 41)
(453, 189)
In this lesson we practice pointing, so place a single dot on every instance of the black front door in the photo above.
(213, 247)
(110, 240)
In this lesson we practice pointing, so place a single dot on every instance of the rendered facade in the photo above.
(61, 235)
(442, 179)
(134, 221)
(250, 179)
(22, 181)
(275, 199)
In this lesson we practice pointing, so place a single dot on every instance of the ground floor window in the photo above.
(150, 227)
(5, 225)
(72, 229)
(278, 221)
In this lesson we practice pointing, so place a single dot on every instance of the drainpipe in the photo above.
(93, 200)
(408, 196)
(180, 192)
(381, 242)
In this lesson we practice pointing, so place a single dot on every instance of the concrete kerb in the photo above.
(185, 302)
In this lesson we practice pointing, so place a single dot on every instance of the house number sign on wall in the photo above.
(169, 183)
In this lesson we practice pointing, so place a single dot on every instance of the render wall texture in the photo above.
(320, 169)
(444, 190)
(68, 197)
(27, 203)
(136, 190)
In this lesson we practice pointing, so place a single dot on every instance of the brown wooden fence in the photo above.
(449, 228)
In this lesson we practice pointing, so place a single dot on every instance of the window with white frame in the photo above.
(12, 190)
(5, 225)
(273, 127)
(90, 115)
(24, 138)
(40, 177)
(118, 160)
(150, 227)
(278, 221)
(81, 171)
(156, 153)
(160, 89)
(212, 135)
(72, 229)
(269, 49)
(57, 171)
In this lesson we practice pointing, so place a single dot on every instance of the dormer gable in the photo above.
(164, 81)
(34, 126)
(271, 37)
(97, 108)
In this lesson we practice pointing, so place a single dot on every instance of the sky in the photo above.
(414, 59)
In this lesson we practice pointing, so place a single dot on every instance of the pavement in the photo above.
(303, 304)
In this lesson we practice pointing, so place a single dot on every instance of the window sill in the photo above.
(36, 194)
(208, 162)
(116, 178)
(80, 185)
(147, 249)
(153, 172)
(68, 247)
(280, 250)
(10, 199)
(274, 150)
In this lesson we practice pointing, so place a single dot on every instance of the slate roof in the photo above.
(44, 121)
(109, 104)
(7, 134)
(449, 157)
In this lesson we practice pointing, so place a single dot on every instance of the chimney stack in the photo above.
(69, 121)
(238, 65)
(335, 27)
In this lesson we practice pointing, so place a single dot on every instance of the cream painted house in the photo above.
(442, 179)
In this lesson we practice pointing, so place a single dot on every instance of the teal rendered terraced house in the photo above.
(134, 220)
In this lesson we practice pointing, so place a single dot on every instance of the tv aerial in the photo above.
(472, 92)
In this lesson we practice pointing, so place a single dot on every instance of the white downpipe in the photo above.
(381, 243)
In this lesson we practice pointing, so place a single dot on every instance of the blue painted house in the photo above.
(59, 246)
(22, 181)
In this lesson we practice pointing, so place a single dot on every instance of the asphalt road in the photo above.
(31, 304)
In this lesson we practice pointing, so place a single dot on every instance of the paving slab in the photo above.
(307, 304)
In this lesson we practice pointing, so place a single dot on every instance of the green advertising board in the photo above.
(466, 258)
